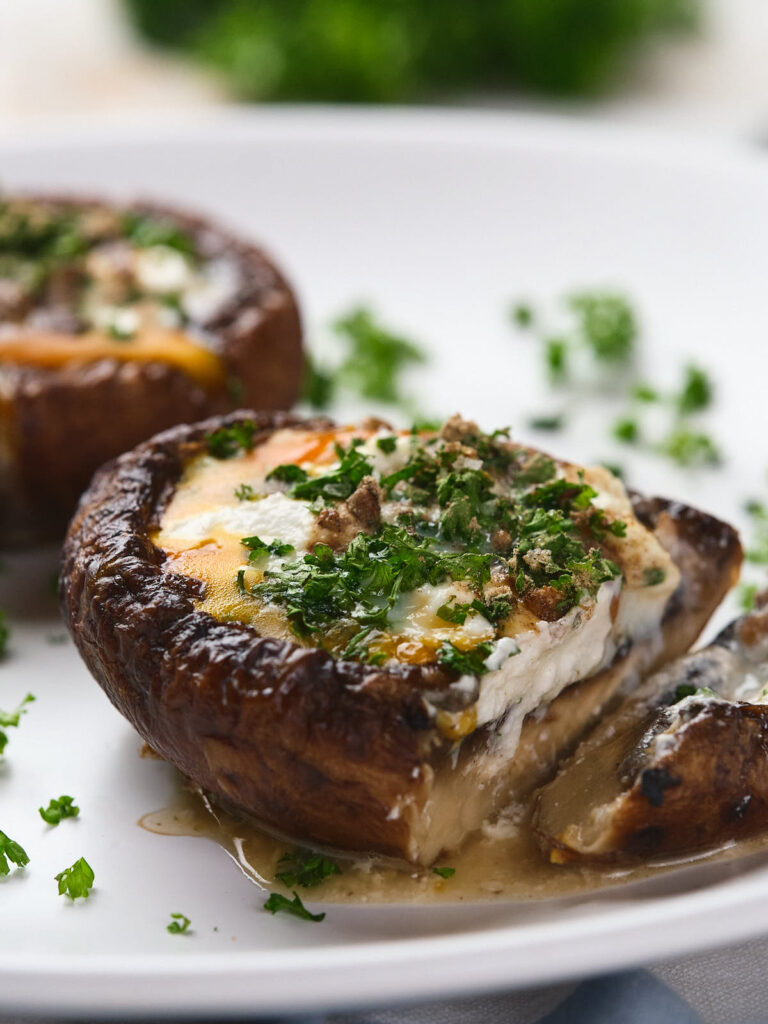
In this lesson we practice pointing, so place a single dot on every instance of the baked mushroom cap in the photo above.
(282, 675)
(117, 322)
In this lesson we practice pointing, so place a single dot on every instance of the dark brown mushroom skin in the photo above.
(58, 426)
(314, 748)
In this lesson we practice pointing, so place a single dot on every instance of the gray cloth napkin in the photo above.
(725, 986)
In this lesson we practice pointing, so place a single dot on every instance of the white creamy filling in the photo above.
(161, 269)
(415, 615)
(385, 463)
(276, 517)
(216, 285)
(532, 668)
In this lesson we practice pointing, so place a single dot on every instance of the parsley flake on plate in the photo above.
(281, 904)
(11, 853)
(748, 596)
(372, 362)
(179, 925)
(76, 881)
(11, 719)
(444, 872)
(690, 448)
(697, 391)
(59, 809)
(757, 550)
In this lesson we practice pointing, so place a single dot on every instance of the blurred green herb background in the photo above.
(404, 50)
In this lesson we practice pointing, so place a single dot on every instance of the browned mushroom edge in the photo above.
(58, 425)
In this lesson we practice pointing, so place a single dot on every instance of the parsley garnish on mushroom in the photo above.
(475, 508)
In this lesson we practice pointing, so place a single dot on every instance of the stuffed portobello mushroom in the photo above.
(117, 322)
(370, 639)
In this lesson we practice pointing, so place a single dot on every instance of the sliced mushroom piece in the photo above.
(680, 767)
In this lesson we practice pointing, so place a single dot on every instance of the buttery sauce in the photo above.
(501, 862)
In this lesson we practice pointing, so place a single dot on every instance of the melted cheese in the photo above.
(171, 347)
(528, 667)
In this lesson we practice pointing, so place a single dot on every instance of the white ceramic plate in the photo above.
(440, 220)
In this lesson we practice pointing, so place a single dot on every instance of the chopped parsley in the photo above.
(471, 509)
(684, 690)
(689, 690)
(259, 549)
(748, 596)
(227, 442)
(538, 471)
(690, 448)
(425, 425)
(606, 324)
(245, 492)
(281, 904)
(318, 386)
(59, 809)
(358, 649)
(547, 423)
(757, 550)
(454, 612)
(626, 430)
(653, 576)
(375, 357)
(146, 231)
(697, 391)
(643, 392)
(305, 868)
(287, 473)
(601, 323)
(76, 881)
(11, 853)
(338, 483)
(120, 333)
(522, 314)
(466, 663)
(444, 872)
(372, 362)
(11, 719)
(556, 358)
(362, 583)
(179, 925)
(386, 444)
